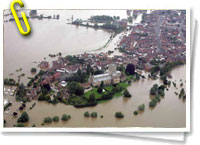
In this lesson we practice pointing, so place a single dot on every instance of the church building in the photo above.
(111, 77)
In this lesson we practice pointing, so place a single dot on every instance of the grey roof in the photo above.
(117, 73)
(102, 77)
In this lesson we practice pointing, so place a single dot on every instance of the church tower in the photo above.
(112, 68)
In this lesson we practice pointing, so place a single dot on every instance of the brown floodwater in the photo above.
(169, 113)
(53, 36)
(49, 36)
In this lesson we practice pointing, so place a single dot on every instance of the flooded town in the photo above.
(96, 68)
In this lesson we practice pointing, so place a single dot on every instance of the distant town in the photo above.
(32, 15)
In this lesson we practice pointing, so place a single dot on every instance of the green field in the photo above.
(107, 89)
(94, 90)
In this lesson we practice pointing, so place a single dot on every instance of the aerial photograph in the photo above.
(95, 69)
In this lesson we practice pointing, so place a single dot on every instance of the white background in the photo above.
(75, 138)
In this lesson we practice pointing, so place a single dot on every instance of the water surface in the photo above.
(53, 36)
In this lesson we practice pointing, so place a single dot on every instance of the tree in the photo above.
(163, 77)
(55, 118)
(161, 92)
(119, 115)
(79, 91)
(99, 90)
(154, 89)
(65, 117)
(75, 88)
(130, 69)
(168, 66)
(33, 70)
(107, 96)
(9, 82)
(23, 118)
(127, 94)
(161, 87)
(20, 125)
(141, 107)
(130, 19)
(102, 84)
(94, 114)
(152, 103)
(41, 97)
(87, 114)
(45, 88)
(165, 82)
(157, 98)
(117, 89)
(182, 94)
(79, 72)
(135, 112)
(92, 97)
(21, 92)
(101, 18)
(120, 68)
(47, 120)
(96, 25)
(89, 70)
(155, 69)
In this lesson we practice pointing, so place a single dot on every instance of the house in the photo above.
(124, 22)
(45, 81)
(63, 83)
(44, 65)
(86, 85)
(32, 94)
(57, 76)
(62, 70)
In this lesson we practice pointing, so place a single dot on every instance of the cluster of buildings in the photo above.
(135, 13)
(161, 33)
(60, 69)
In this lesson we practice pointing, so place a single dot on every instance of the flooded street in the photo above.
(54, 36)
